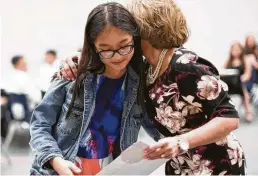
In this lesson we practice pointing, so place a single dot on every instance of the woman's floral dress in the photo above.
(186, 96)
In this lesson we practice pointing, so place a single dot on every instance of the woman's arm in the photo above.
(226, 63)
(215, 130)
(247, 68)
(254, 61)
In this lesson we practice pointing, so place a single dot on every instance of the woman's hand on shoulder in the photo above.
(69, 66)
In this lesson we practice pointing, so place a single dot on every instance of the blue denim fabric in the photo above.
(54, 133)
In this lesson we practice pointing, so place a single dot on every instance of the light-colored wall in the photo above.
(30, 27)
(215, 24)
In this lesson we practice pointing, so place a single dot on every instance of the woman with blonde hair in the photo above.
(184, 97)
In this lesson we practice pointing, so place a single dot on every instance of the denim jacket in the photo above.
(54, 133)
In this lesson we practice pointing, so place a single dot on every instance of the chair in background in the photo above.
(5, 117)
(235, 89)
(232, 78)
(20, 114)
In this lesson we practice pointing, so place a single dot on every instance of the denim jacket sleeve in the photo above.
(45, 115)
(149, 127)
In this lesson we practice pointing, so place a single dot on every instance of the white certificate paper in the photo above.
(131, 162)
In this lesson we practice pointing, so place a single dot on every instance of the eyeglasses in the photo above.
(125, 50)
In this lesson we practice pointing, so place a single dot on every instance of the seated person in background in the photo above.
(47, 70)
(4, 113)
(251, 46)
(251, 54)
(22, 84)
(236, 61)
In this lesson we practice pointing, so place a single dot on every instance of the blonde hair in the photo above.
(161, 22)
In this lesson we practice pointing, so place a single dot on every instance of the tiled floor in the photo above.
(21, 157)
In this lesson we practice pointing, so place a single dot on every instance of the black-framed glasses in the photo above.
(123, 51)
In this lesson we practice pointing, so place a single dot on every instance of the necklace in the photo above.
(152, 76)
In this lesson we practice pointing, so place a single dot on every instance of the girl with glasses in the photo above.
(81, 125)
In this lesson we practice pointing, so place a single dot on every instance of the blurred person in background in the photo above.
(21, 83)
(251, 46)
(47, 70)
(5, 117)
(251, 54)
(236, 61)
